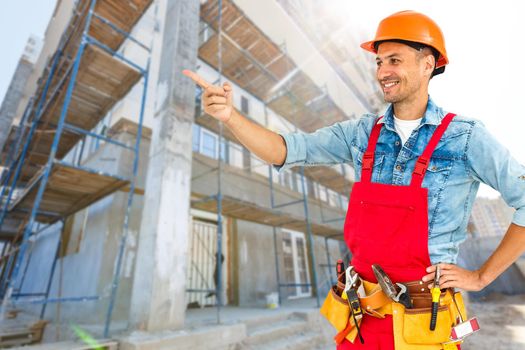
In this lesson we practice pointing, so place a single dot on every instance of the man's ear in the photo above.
(430, 63)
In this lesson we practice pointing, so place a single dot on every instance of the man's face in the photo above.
(401, 72)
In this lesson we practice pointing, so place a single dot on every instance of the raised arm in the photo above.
(217, 102)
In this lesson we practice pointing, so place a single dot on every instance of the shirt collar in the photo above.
(433, 115)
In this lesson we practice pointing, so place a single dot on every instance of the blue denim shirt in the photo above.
(466, 155)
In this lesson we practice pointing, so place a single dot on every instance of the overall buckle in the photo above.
(368, 160)
(421, 166)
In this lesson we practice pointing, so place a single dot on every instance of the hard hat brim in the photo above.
(370, 46)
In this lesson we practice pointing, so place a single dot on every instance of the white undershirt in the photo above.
(404, 128)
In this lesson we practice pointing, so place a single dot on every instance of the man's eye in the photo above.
(379, 63)
(394, 61)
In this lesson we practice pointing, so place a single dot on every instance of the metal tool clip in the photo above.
(389, 288)
(350, 293)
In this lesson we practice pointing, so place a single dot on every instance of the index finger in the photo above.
(196, 78)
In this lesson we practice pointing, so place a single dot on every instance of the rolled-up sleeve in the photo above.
(326, 146)
(492, 164)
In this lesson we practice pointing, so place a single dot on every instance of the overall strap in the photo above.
(422, 162)
(369, 155)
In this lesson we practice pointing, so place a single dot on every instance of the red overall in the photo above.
(388, 225)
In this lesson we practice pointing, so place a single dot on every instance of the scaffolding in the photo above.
(43, 183)
(41, 188)
(240, 52)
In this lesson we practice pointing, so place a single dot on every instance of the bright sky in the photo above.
(484, 79)
(18, 20)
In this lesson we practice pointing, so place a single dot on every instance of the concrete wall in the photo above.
(255, 245)
(254, 188)
(88, 270)
(256, 263)
(255, 258)
(147, 31)
(12, 98)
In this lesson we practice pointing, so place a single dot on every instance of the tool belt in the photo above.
(411, 326)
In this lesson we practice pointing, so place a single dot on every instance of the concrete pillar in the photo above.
(158, 296)
(12, 98)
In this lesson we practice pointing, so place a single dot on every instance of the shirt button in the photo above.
(399, 167)
(397, 143)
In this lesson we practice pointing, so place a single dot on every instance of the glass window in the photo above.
(322, 193)
(293, 183)
(311, 187)
(245, 105)
(258, 166)
(235, 154)
(344, 202)
(208, 144)
(349, 172)
(286, 179)
(198, 100)
(224, 150)
(288, 258)
(299, 181)
(275, 175)
(333, 198)
(316, 190)
(196, 138)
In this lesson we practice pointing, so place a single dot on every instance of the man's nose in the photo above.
(383, 72)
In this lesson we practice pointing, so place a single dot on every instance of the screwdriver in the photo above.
(340, 268)
(436, 292)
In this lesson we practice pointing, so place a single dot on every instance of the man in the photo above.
(419, 170)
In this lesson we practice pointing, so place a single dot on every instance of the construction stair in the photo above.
(74, 345)
(241, 329)
(293, 330)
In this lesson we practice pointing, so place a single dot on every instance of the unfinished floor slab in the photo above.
(298, 323)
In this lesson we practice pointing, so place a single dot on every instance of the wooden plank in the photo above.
(72, 345)
(130, 127)
(326, 176)
(102, 81)
(11, 227)
(243, 210)
(241, 32)
(9, 143)
(18, 335)
(69, 189)
(123, 14)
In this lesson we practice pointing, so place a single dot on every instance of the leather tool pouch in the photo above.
(412, 326)
(336, 310)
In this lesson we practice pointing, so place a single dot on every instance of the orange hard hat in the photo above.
(410, 26)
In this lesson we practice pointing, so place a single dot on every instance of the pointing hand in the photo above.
(217, 101)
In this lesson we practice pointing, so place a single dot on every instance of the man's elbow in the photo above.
(281, 153)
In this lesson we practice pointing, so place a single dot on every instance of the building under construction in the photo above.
(129, 214)
(119, 193)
